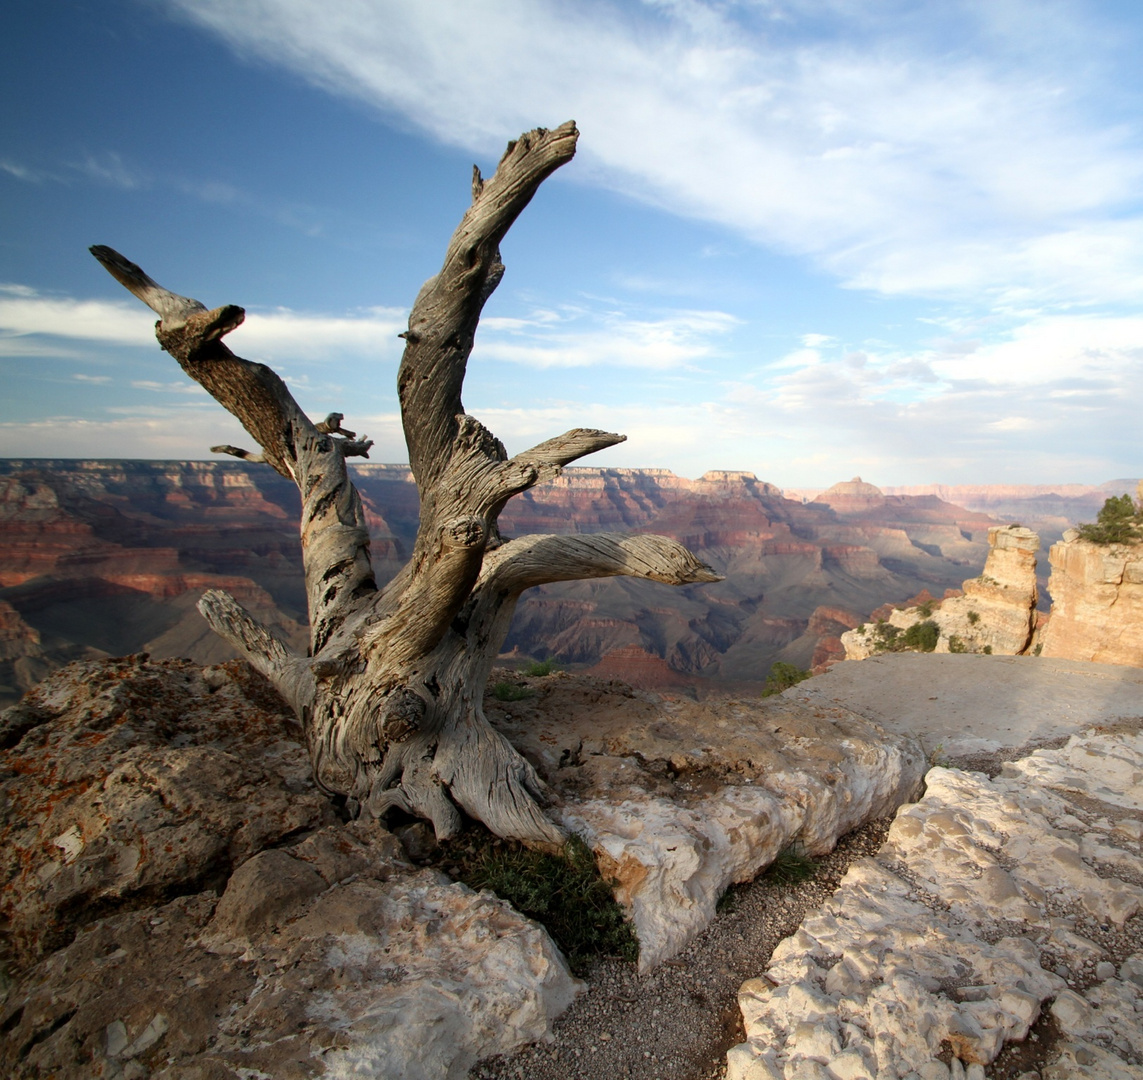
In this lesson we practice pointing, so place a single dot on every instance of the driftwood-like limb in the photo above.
(391, 694)
(238, 452)
(264, 652)
(335, 540)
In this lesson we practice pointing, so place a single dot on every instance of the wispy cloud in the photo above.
(584, 337)
(110, 169)
(954, 151)
(42, 324)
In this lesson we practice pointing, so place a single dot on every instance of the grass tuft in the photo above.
(791, 866)
(537, 669)
(565, 892)
(510, 691)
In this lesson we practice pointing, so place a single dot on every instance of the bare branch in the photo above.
(537, 560)
(335, 540)
(443, 321)
(331, 425)
(265, 653)
(238, 452)
(173, 310)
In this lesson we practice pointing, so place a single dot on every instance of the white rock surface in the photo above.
(991, 901)
(681, 799)
(327, 955)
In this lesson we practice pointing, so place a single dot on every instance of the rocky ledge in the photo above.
(995, 928)
(181, 902)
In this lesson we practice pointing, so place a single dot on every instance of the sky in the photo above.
(809, 239)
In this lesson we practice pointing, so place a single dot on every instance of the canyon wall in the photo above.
(994, 613)
(1097, 602)
(109, 557)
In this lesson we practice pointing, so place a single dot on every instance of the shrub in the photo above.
(974, 617)
(861, 630)
(791, 865)
(987, 650)
(510, 691)
(922, 636)
(1119, 522)
(925, 610)
(539, 668)
(782, 676)
(956, 645)
(564, 891)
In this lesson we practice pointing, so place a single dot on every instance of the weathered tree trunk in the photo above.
(390, 695)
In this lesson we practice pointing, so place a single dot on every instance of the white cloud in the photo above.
(584, 338)
(31, 324)
(907, 148)
(109, 168)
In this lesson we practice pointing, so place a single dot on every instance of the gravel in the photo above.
(677, 1022)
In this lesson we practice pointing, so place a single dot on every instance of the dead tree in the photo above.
(390, 695)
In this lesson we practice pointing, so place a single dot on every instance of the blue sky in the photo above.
(809, 239)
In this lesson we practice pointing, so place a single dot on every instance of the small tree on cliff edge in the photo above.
(390, 694)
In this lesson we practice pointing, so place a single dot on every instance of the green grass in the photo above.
(565, 892)
(791, 865)
(510, 691)
(539, 668)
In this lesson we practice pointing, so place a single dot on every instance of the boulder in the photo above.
(128, 782)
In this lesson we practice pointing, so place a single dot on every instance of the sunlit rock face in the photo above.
(680, 799)
(992, 903)
(996, 612)
(1097, 602)
(184, 902)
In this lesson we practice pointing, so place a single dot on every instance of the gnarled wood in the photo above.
(390, 695)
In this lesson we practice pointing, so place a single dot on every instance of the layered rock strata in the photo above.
(112, 555)
(994, 904)
(681, 799)
(294, 947)
(1097, 602)
(996, 612)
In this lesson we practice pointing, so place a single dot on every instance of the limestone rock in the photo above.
(996, 613)
(1097, 602)
(680, 799)
(132, 780)
(327, 954)
(404, 974)
(955, 934)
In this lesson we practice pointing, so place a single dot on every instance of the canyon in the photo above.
(109, 557)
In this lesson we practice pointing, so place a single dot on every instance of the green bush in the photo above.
(565, 892)
(782, 676)
(1119, 522)
(987, 650)
(922, 636)
(956, 645)
(974, 617)
(925, 610)
(539, 668)
(510, 691)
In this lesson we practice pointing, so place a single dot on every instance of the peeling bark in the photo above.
(390, 695)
